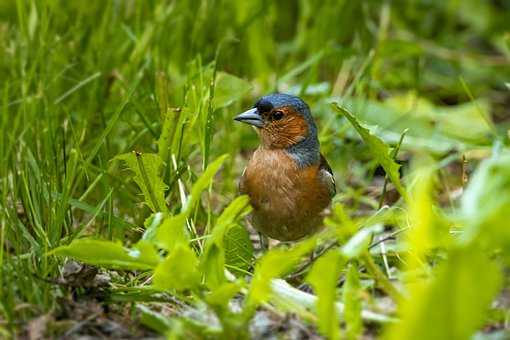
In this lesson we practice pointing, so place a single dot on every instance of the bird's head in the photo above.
(282, 121)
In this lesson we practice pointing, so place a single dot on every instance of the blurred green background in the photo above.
(84, 81)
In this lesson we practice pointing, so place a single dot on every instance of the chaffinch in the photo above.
(288, 180)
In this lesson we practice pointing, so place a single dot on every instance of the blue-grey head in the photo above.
(285, 122)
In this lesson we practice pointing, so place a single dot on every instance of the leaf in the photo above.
(323, 277)
(238, 250)
(426, 232)
(275, 263)
(173, 230)
(380, 151)
(352, 301)
(451, 305)
(203, 182)
(213, 265)
(237, 209)
(167, 132)
(229, 89)
(420, 237)
(486, 202)
(147, 176)
(213, 258)
(145, 251)
(110, 254)
(178, 271)
(221, 296)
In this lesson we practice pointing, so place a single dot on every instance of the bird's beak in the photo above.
(251, 117)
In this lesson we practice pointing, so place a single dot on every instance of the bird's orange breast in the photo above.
(287, 200)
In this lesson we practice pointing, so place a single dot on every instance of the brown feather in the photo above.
(287, 200)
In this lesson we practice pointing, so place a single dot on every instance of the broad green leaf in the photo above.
(273, 264)
(380, 151)
(452, 304)
(179, 270)
(229, 89)
(237, 209)
(172, 232)
(221, 296)
(145, 251)
(213, 258)
(352, 301)
(110, 254)
(238, 250)
(323, 277)
(213, 265)
(486, 202)
(146, 168)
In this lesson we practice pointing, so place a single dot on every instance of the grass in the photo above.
(83, 83)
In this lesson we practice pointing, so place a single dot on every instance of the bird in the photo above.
(287, 179)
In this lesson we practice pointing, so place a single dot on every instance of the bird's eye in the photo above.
(277, 115)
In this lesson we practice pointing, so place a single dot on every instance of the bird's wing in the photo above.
(326, 175)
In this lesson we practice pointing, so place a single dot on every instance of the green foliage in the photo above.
(172, 231)
(147, 176)
(428, 232)
(273, 264)
(453, 291)
(359, 242)
(86, 83)
(379, 150)
(111, 254)
(221, 296)
(431, 127)
(352, 300)
(452, 301)
(213, 258)
(323, 277)
(202, 183)
(486, 200)
(179, 270)
(168, 131)
(238, 250)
